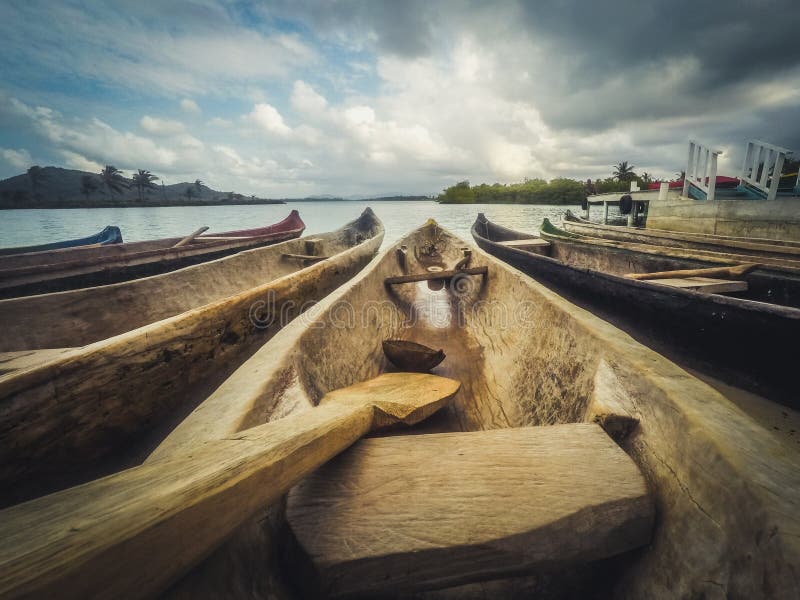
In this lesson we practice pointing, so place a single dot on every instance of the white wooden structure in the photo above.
(769, 160)
(701, 170)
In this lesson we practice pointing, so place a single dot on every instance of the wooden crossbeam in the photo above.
(436, 275)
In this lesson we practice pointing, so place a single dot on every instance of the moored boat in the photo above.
(64, 412)
(740, 337)
(82, 316)
(695, 241)
(109, 235)
(56, 270)
(725, 488)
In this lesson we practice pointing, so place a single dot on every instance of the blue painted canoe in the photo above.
(109, 235)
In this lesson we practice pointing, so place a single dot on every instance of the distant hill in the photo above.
(62, 188)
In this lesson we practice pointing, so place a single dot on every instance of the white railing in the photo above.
(762, 167)
(701, 170)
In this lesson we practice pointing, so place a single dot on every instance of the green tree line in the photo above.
(539, 191)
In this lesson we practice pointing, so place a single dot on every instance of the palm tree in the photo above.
(35, 174)
(143, 180)
(646, 177)
(88, 185)
(199, 185)
(624, 172)
(113, 179)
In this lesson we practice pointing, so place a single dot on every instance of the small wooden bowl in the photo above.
(410, 356)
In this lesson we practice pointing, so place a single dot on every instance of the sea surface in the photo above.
(40, 226)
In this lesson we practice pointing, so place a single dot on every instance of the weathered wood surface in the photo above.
(706, 285)
(727, 488)
(191, 236)
(422, 512)
(721, 272)
(306, 257)
(720, 478)
(607, 406)
(25, 359)
(722, 331)
(65, 415)
(676, 239)
(524, 244)
(776, 263)
(435, 275)
(124, 262)
(129, 535)
(80, 317)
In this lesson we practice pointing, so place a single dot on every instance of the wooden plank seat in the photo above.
(533, 243)
(405, 514)
(704, 284)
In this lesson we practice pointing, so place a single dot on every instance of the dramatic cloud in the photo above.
(363, 96)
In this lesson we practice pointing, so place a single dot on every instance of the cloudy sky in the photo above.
(291, 98)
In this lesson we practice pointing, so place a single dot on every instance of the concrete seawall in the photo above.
(776, 219)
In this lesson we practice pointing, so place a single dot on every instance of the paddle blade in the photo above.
(398, 397)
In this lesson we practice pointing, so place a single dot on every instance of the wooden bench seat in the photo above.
(537, 245)
(410, 513)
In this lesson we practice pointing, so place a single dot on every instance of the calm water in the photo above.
(39, 226)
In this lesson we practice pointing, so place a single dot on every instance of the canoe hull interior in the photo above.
(747, 343)
(524, 357)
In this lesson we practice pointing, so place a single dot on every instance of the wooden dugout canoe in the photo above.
(109, 235)
(61, 418)
(726, 489)
(72, 268)
(739, 337)
(693, 241)
(78, 317)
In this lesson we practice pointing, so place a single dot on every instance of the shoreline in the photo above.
(136, 204)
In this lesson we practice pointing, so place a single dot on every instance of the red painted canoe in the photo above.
(73, 268)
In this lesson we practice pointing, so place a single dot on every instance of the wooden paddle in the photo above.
(131, 534)
(717, 272)
(190, 237)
